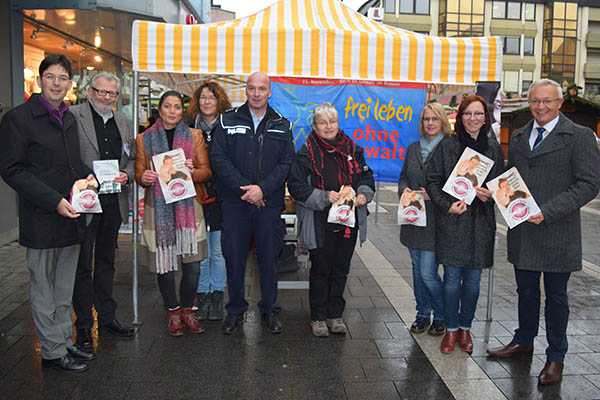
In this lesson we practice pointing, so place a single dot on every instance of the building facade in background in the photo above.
(559, 40)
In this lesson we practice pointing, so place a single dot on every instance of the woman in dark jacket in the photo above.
(464, 234)
(420, 240)
(327, 161)
(207, 103)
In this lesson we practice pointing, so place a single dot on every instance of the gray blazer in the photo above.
(413, 177)
(88, 144)
(563, 174)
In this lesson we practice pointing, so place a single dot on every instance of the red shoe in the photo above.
(188, 318)
(175, 328)
(449, 342)
(464, 341)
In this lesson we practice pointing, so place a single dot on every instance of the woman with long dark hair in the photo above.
(174, 233)
(464, 241)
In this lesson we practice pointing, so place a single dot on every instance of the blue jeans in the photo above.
(213, 272)
(461, 291)
(427, 284)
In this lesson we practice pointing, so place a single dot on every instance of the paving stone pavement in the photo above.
(377, 359)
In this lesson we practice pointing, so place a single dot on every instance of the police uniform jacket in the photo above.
(241, 155)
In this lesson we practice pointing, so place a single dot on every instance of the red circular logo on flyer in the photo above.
(177, 187)
(461, 186)
(410, 214)
(88, 199)
(343, 214)
(518, 209)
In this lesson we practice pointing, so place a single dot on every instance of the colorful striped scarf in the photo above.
(175, 225)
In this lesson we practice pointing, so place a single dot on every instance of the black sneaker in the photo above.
(420, 324)
(437, 328)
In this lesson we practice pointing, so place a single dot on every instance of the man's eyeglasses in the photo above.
(430, 119)
(476, 114)
(546, 102)
(103, 93)
(52, 78)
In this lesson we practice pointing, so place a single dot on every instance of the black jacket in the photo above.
(40, 160)
(240, 156)
(465, 240)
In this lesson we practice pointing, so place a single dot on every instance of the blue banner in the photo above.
(381, 117)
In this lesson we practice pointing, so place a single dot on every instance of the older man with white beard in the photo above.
(104, 134)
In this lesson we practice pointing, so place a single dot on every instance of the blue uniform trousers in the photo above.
(240, 220)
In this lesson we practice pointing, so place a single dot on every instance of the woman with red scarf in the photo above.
(324, 164)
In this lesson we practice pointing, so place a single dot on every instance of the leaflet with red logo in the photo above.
(342, 211)
(174, 177)
(84, 196)
(469, 173)
(512, 197)
(411, 209)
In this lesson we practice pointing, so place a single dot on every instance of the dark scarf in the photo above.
(480, 145)
(342, 148)
(205, 127)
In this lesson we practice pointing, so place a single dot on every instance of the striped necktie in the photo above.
(539, 137)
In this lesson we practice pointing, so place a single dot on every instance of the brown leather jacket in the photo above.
(200, 174)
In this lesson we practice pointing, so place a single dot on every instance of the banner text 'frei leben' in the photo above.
(382, 117)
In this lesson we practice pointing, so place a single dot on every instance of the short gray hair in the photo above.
(327, 109)
(545, 81)
(107, 76)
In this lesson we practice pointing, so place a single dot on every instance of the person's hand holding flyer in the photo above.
(107, 171)
(469, 173)
(84, 196)
(411, 210)
(173, 176)
(513, 197)
(342, 211)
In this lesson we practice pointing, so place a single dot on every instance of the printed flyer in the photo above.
(513, 198)
(342, 211)
(411, 209)
(84, 197)
(106, 171)
(174, 177)
(469, 173)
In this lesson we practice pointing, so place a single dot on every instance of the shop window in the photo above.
(510, 82)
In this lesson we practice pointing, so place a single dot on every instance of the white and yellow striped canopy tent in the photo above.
(314, 38)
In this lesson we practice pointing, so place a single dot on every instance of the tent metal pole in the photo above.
(490, 295)
(135, 219)
(376, 200)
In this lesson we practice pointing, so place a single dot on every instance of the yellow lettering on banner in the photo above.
(383, 112)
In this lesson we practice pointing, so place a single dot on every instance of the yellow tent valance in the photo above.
(314, 38)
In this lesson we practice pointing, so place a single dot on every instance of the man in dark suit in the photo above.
(39, 159)
(104, 134)
(558, 161)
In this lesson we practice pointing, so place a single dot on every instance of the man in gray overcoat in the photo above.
(104, 134)
(559, 161)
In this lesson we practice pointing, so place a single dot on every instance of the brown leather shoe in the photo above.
(464, 341)
(449, 342)
(551, 373)
(510, 350)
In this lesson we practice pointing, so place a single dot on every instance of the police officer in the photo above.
(252, 153)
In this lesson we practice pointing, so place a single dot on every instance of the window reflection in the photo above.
(559, 46)
(469, 13)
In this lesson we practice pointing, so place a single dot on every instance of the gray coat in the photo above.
(563, 174)
(465, 240)
(412, 176)
(88, 144)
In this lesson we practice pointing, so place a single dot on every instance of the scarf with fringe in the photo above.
(175, 224)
